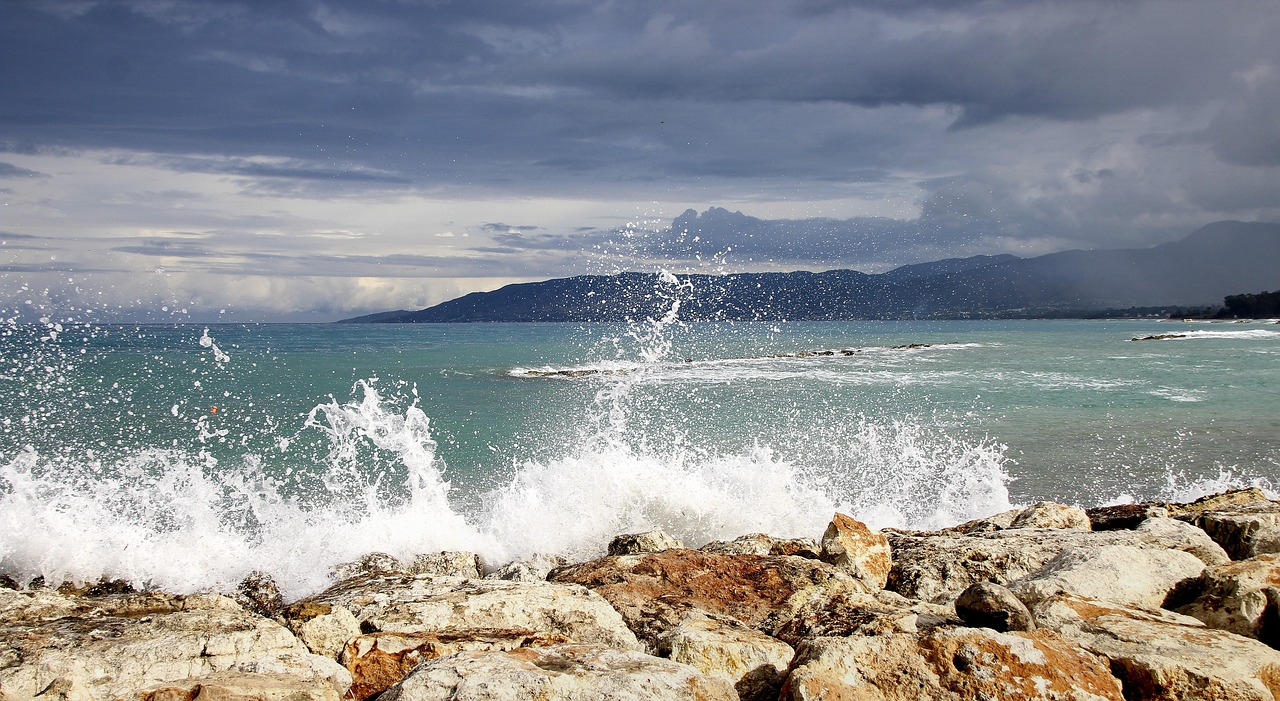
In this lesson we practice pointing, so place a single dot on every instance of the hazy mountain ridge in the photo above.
(1217, 260)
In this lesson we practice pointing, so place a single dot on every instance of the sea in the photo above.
(185, 456)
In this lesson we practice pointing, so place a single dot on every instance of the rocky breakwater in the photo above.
(1146, 601)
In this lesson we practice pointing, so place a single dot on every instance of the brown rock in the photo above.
(989, 605)
(1221, 500)
(862, 552)
(1242, 597)
(230, 686)
(754, 663)
(1124, 516)
(647, 542)
(1244, 530)
(1047, 514)
(857, 613)
(258, 593)
(762, 544)
(949, 665)
(654, 592)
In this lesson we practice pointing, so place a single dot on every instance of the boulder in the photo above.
(1242, 597)
(426, 604)
(323, 628)
(755, 664)
(370, 564)
(447, 563)
(654, 592)
(858, 613)
(1047, 514)
(231, 686)
(647, 542)
(998, 522)
(1163, 655)
(862, 552)
(258, 593)
(1124, 516)
(989, 605)
(762, 544)
(1117, 574)
(558, 672)
(108, 647)
(532, 569)
(1179, 535)
(959, 664)
(379, 660)
(1214, 502)
(1243, 531)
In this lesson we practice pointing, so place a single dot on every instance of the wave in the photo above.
(1211, 333)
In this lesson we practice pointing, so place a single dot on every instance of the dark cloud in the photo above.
(9, 170)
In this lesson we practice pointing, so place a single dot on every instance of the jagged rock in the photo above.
(937, 567)
(989, 605)
(959, 664)
(755, 664)
(1164, 655)
(238, 687)
(1245, 530)
(533, 569)
(379, 660)
(858, 613)
(1242, 597)
(1117, 574)
(1046, 514)
(425, 604)
(371, 564)
(647, 542)
(447, 563)
(559, 672)
(998, 522)
(109, 647)
(1213, 502)
(1124, 516)
(258, 593)
(762, 544)
(654, 592)
(323, 628)
(858, 550)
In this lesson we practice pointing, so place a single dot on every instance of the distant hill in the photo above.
(1215, 261)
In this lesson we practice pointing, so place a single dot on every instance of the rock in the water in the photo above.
(989, 605)
(1214, 502)
(762, 544)
(370, 564)
(109, 647)
(447, 563)
(647, 542)
(1242, 597)
(532, 569)
(1163, 655)
(654, 592)
(569, 672)
(755, 664)
(862, 552)
(1047, 514)
(258, 593)
(426, 604)
(379, 660)
(1245, 530)
(1116, 574)
(1124, 516)
(962, 664)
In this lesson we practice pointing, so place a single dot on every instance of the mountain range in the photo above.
(1220, 259)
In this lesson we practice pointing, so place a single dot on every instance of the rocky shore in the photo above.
(1148, 601)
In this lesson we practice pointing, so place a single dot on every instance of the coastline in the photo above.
(1153, 600)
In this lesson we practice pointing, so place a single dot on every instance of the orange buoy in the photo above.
(213, 409)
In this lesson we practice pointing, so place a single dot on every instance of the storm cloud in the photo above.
(423, 149)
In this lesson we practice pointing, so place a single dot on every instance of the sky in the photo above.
(298, 160)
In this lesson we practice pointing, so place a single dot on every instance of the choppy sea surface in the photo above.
(186, 456)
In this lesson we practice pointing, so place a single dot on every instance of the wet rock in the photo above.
(258, 593)
(532, 569)
(1163, 655)
(447, 563)
(109, 647)
(559, 672)
(949, 665)
(755, 664)
(1117, 574)
(379, 660)
(1242, 597)
(858, 550)
(654, 592)
(989, 605)
(647, 542)
(371, 564)
(425, 604)
(762, 544)
(1245, 530)
(1124, 516)
(1046, 514)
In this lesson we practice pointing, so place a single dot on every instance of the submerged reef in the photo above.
(1154, 600)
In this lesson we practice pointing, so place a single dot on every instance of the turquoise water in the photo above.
(330, 441)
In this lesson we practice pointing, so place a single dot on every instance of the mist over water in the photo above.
(185, 457)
